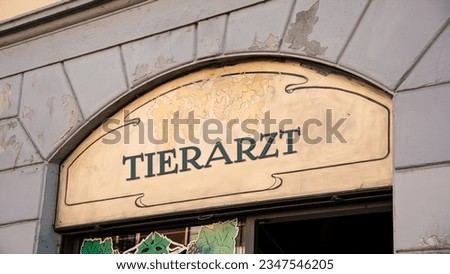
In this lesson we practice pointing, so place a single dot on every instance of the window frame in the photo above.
(314, 207)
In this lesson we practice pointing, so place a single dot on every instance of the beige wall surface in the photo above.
(12, 8)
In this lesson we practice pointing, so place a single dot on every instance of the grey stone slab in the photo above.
(148, 57)
(421, 126)
(321, 28)
(127, 25)
(434, 67)
(426, 251)
(421, 203)
(210, 36)
(18, 238)
(20, 194)
(48, 239)
(48, 110)
(97, 79)
(390, 37)
(16, 148)
(257, 28)
(10, 89)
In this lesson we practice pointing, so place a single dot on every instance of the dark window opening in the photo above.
(211, 238)
(352, 234)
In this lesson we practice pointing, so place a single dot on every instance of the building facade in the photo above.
(375, 73)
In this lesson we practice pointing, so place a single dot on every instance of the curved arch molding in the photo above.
(252, 132)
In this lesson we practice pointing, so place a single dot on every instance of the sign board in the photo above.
(251, 132)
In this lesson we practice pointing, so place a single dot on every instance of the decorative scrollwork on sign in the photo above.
(255, 131)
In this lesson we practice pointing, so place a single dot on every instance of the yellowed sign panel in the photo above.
(252, 132)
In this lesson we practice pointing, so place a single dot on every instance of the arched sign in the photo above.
(253, 132)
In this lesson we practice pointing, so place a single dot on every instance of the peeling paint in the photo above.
(436, 241)
(50, 104)
(213, 45)
(71, 112)
(313, 48)
(70, 109)
(13, 144)
(5, 97)
(271, 43)
(161, 62)
(141, 71)
(12, 124)
(29, 160)
(29, 171)
(299, 31)
(2, 148)
(34, 81)
(4, 144)
(9, 143)
(41, 139)
(27, 113)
